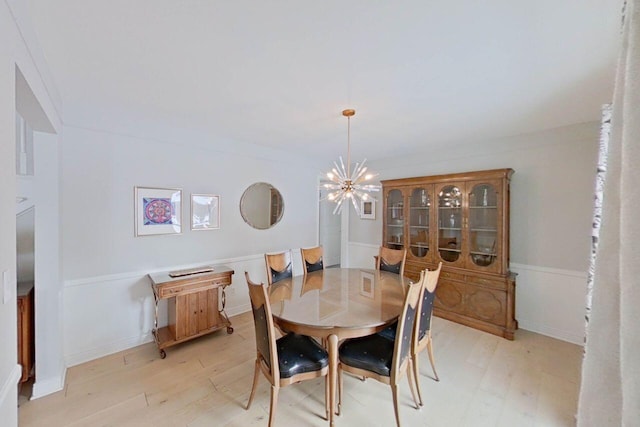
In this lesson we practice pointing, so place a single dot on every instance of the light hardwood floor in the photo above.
(484, 381)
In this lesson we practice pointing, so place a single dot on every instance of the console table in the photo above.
(193, 308)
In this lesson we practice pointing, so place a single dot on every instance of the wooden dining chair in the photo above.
(391, 260)
(287, 360)
(312, 259)
(279, 266)
(422, 330)
(377, 357)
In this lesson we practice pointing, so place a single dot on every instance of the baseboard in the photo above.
(124, 344)
(560, 334)
(107, 349)
(243, 308)
(11, 383)
(51, 385)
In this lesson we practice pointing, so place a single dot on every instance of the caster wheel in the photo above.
(229, 330)
(163, 354)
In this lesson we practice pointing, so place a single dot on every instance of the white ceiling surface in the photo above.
(278, 73)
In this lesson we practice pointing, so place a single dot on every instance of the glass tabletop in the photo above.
(337, 298)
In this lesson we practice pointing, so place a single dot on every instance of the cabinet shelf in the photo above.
(489, 254)
(423, 227)
(491, 230)
(483, 207)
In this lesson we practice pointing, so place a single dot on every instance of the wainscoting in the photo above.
(107, 314)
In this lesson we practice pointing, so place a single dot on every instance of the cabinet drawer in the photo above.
(489, 282)
(451, 276)
(167, 291)
(412, 271)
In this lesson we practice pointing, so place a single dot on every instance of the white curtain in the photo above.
(610, 388)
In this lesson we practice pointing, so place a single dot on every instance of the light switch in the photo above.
(6, 287)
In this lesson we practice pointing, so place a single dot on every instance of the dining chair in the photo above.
(312, 259)
(422, 327)
(278, 266)
(377, 357)
(423, 324)
(391, 260)
(287, 360)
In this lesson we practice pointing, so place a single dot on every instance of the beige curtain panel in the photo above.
(610, 388)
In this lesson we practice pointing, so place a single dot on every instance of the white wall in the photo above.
(551, 210)
(18, 48)
(50, 367)
(107, 298)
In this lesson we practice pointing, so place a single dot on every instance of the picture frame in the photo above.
(367, 284)
(368, 209)
(205, 212)
(157, 211)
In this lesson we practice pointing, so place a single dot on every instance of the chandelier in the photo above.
(343, 184)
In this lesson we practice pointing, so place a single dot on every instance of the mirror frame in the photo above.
(243, 202)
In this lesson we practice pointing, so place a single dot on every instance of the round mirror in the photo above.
(261, 206)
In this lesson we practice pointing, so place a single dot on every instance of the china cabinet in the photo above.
(461, 220)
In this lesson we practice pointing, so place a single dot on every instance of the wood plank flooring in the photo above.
(484, 381)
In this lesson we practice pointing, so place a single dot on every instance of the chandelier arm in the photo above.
(355, 205)
(345, 174)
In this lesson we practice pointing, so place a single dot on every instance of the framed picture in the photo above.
(368, 209)
(205, 212)
(367, 284)
(157, 211)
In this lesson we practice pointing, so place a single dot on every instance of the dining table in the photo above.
(335, 304)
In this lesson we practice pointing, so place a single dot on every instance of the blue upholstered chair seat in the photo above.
(373, 353)
(298, 354)
(389, 332)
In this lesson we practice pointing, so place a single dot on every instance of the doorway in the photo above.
(330, 230)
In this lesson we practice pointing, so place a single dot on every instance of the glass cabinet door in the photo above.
(450, 223)
(483, 224)
(395, 220)
(419, 208)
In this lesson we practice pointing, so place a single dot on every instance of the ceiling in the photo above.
(278, 73)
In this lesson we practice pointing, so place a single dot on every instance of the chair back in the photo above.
(405, 330)
(391, 260)
(264, 328)
(312, 259)
(278, 266)
(429, 281)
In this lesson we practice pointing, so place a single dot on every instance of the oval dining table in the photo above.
(335, 304)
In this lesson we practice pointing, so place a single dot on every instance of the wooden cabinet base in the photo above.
(477, 324)
(193, 305)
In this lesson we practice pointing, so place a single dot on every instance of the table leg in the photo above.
(333, 375)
